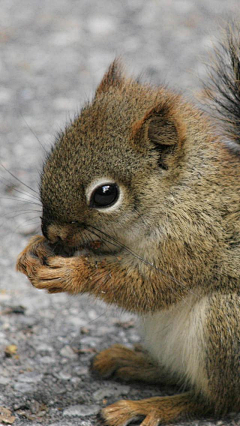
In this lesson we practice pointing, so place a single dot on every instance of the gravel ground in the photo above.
(53, 54)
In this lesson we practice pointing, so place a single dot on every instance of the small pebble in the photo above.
(30, 378)
(67, 352)
(81, 410)
(23, 387)
(114, 391)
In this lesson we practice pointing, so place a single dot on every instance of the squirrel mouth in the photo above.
(91, 246)
(64, 250)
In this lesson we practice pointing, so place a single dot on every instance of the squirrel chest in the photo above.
(175, 338)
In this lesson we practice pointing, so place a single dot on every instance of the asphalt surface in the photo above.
(52, 56)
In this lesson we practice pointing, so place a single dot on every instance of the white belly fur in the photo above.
(175, 339)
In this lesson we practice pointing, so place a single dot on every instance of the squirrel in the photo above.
(140, 198)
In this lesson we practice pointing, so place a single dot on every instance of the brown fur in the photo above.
(170, 248)
(158, 410)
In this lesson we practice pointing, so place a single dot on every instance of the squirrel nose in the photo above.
(59, 233)
(67, 234)
(55, 232)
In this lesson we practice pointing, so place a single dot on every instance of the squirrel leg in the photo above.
(155, 411)
(128, 365)
(222, 363)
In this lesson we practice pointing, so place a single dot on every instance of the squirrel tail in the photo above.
(223, 91)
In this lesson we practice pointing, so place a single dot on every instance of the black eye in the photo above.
(105, 195)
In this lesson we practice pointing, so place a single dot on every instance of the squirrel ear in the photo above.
(112, 78)
(161, 127)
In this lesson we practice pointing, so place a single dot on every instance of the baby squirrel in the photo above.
(149, 186)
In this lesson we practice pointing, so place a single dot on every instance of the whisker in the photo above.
(28, 194)
(146, 262)
(95, 319)
(27, 221)
(15, 230)
(33, 218)
(19, 180)
(19, 213)
(106, 242)
(117, 244)
(22, 200)
(34, 134)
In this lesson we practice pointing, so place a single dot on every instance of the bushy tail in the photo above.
(224, 88)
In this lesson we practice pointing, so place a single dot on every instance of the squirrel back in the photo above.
(223, 89)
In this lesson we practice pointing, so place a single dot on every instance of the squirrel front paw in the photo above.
(45, 270)
(37, 248)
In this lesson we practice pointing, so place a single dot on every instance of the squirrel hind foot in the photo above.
(154, 411)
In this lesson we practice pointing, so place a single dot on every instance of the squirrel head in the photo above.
(109, 170)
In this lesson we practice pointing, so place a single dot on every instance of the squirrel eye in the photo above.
(104, 196)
